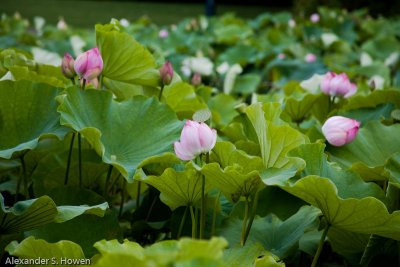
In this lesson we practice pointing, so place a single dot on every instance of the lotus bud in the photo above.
(89, 64)
(67, 66)
(163, 34)
(314, 18)
(196, 138)
(339, 130)
(337, 85)
(309, 58)
(196, 79)
(166, 73)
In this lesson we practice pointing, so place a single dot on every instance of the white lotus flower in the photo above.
(230, 77)
(200, 65)
(365, 59)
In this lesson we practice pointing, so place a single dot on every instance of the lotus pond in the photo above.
(212, 142)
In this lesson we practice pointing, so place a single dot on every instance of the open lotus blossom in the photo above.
(337, 85)
(166, 73)
(339, 130)
(89, 64)
(67, 66)
(196, 138)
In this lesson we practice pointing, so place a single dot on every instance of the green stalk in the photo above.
(161, 91)
(83, 84)
(246, 215)
(182, 223)
(320, 246)
(151, 208)
(253, 214)
(121, 205)
(138, 194)
(203, 207)
(214, 219)
(193, 222)
(107, 183)
(71, 146)
(24, 176)
(80, 158)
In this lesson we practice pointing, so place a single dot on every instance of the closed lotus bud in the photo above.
(89, 64)
(67, 66)
(196, 79)
(338, 85)
(339, 130)
(166, 73)
(196, 138)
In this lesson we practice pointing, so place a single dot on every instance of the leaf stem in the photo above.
(161, 91)
(24, 176)
(121, 205)
(193, 222)
(246, 215)
(182, 223)
(139, 185)
(83, 84)
(71, 146)
(203, 207)
(214, 219)
(80, 158)
(320, 246)
(253, 214)
(107, 183)
(151, 208)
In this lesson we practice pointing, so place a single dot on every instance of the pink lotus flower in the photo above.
(338, 85)
(67, 66)
(89, 64)
(339, 130)
(281, 56)
(196, 79)
(196, 138)
(163, 34)
(166, 73)
(314, 18)
(309, 58)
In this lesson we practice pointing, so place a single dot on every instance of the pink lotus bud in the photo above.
(163, 34)
(309, 58)
(281, 55)
(89, 64)
(314, 18)
(196, 138)
(338, 85)
(339, 130)
(67, 66)
(166, 73)
(196, 79)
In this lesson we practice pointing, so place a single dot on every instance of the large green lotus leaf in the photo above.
(366, 216)
(298, 109)
(44, 74)
(238, 256)
(393, 168)
(374, 139)
(31, 248)
(222, 107)
(232, 171)
(124, 133)
(275, 138)
(27, 113)
(246, 84)
(373, 99)
(178, 188)
(277, 236)
(182, 98)
(26, 215)
(349, 184)
(125, 61)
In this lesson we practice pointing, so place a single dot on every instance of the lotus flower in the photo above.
(89, 64)
(196, 79)
(309, 58)
(314, 18)
(338, 85)
(196, 138)
(67, 66)
(166, 73)
(339, 130)
(163, 34)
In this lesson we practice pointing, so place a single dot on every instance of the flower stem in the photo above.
(71, 145)
(80, 158)
(161, 91)
(246, 215)
(253, 214)
(193, 222)
(214, 219)
(182, 223)
(83, 84)
(320, 246)
(24, 176)
(203, 207)
(107, 183)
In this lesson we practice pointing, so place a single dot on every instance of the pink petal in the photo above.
(182, 153)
